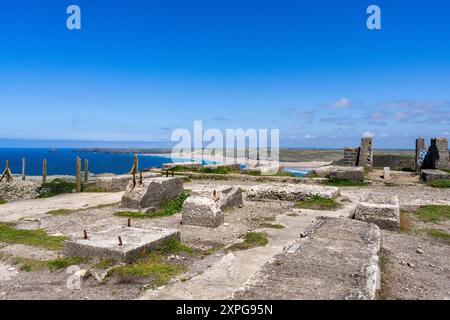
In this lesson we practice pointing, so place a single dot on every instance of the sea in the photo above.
(62, 161)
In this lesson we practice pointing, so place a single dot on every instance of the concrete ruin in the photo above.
(290, 192)
(434, 157)
(119, 182)
(205, 207)
(355, 174)
(360, 157)
(380, 209)
(152, 193)
(428, 175)
(106, 244)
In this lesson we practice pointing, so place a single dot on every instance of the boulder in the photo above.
(152, 193)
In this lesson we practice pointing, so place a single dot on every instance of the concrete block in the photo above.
(152, 193)
(105, 244)
(428, 175)
(380, 209)
(387, 173)
(119, 182)
(225, 196)
(355, 174)
(202, 211)
(290, 192)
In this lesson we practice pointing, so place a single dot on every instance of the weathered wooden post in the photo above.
(8, 175)
(44, 171)
(24, 165)
(78, 175)
(86, 170)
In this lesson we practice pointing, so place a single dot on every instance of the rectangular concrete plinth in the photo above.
(432, 174)
(225, 196)
(290, 192)
(202, 211)
(105, 244)
(380, 209)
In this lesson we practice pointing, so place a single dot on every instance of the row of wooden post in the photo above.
(7, 173)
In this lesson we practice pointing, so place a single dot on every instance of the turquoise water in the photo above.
(63, 161)
(298, 172)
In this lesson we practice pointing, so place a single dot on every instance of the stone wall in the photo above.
(351, 157)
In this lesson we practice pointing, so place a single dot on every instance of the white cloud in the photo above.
(308, 136)
(342, 103)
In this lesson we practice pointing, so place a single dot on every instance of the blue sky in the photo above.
(139, 69)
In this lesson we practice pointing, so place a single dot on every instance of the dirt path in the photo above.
(33, 209)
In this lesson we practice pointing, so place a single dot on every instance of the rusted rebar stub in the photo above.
(129, 222)
(120, 240)
(85, 237)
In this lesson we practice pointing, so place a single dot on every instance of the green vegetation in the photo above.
(104, 264)
(251, 240)
(383, 293)
(433, 213)
(94, 189)
(318, 203)
(3, 201)
(61, 212)
(168, 208)
(155, 264)
(344, 183)
(439, 183)
(272, 225)
(37, 238)
(30, 265)
(442, 235)
(56, 187)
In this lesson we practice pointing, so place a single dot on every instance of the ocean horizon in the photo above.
(62, 161)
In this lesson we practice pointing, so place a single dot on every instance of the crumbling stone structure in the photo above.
(360, 157)
(434, 157)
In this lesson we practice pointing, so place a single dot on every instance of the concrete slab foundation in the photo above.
(105, 244)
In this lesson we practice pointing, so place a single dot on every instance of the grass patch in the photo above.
(104, 264)
(251, 240)
(61, 212)
(3, 201)
(55, 188)
(405, 223)
(383, 293)
(155, 266)
(433, 213)
(439, 183)
(30, 265)
(168, 208)
(272, 225)
(36, 238)
(318, 203)
(94, 189)
(442, 235)
(344, 183)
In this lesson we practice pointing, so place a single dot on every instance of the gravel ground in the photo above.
(428, 277)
